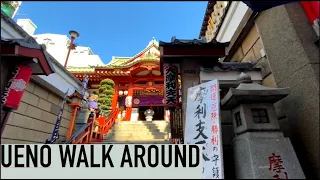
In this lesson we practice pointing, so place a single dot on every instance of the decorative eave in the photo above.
(231, 66)
(195, 42)
(31, 52)
(127, 65)
(191, 48)
(24, 34)
(217, 15)
(152, 43)
(80, 69)
(251, 93)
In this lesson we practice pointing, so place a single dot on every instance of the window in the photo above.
(260, 115)
(237, 117)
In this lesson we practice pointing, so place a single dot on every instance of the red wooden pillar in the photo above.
(71, 123)
(115, 95)
(129, 109)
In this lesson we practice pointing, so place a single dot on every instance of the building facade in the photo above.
(137, 80)
(282, 41)
(57, 45)
(35, 118)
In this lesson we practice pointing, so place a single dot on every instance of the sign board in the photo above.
(171, 85)
(203, 126)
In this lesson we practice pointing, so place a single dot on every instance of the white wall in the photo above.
(57, 46)
(7, 31)
(59, 79)
(232, 20)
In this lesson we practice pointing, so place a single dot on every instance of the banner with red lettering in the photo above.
(13, 92)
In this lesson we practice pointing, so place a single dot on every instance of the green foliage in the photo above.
(106, 94)
(6, 3)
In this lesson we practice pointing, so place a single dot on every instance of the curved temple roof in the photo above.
(149, 54)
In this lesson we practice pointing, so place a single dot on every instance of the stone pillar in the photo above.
(260, 149)
(294, 60)
(188, 80)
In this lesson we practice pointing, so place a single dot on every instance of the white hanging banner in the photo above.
(203, 126)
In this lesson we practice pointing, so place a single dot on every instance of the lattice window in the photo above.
(260, 115)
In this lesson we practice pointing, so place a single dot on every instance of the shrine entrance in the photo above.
(158, 113)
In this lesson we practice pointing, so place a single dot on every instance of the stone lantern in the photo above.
(76, 103)
(260, 149)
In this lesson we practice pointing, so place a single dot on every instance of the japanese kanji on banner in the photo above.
(17, 83)
(203, 126)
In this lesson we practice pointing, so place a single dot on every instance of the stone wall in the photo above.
(294, 59)
(34, 121)
(252, 50)
(290, 59)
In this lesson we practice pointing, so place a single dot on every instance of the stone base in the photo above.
(149, 118)
(252, 151)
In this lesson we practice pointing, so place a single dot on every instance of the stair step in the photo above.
(156, 141)
(144, 122)
(139, 127)
(127, 138)
(138, 132)
(144, 131)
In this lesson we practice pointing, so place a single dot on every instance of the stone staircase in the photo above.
(139, 132)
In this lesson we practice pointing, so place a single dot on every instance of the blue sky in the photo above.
(116, 28)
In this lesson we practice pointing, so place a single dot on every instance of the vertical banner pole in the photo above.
(55, 133)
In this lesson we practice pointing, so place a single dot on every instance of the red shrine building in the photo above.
(137, 79)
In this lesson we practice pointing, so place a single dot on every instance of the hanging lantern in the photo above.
(125, 93)
(120, 93)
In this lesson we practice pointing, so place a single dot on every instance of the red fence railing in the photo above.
(86, 134)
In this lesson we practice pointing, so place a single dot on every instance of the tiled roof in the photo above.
(231, 66)
(118, 61)
(200, 42)
(215, 13)
(128, 61)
